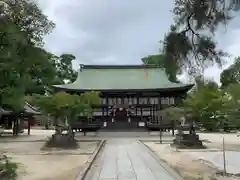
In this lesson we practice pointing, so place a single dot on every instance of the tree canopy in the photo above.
(22, 28)
(64, 68)
(189, 45)
(231, 75)
(25, 66)
(63, 105)
(160, 60)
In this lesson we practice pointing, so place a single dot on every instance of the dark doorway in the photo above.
(121, 115)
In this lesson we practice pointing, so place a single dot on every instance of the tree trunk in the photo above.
(71, 134)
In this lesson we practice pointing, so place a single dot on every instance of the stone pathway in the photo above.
(125, 159)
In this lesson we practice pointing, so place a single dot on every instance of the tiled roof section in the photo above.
(115, 77)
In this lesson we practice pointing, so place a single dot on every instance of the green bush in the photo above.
(8, 169)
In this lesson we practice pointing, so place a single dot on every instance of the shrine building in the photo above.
(131, 95)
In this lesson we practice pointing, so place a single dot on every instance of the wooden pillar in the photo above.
(173, 127)
(128, 115)
(151, 117)
(14, 126)
(153, 112)
(113, 114)
(17, 126)
(29, 126)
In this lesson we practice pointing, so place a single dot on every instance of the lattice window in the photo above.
(125, 100)
(167, 101)
(146, 111)
(138, 112)
(172, 101)
(104, 101)
(119, 101)
(151, 100)
(110, 102)
(114, 101)
(162, 100)
(156, 101)
(134, 100)
(145, 100)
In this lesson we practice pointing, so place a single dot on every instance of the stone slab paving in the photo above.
(126, 159)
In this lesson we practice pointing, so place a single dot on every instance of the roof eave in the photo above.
(184, 88)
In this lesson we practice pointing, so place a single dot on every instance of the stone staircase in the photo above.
(108, 133)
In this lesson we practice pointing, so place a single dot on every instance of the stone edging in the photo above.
(164, 164)
(81, 175)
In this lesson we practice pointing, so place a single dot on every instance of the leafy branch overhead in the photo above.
(189, 44)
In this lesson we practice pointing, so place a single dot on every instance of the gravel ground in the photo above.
(47, 165)
(187, 163)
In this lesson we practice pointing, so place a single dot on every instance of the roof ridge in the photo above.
(141, 66)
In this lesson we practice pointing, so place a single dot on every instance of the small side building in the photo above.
(17, 120)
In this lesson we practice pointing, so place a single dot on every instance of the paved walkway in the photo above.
(125, 159)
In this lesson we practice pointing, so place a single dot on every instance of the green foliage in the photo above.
(22, 29)
(189, 45)
(25, 67)
(161, 61)
(156, 60)
(233, 105)
(231, 75)
(64, 67)
(174, 113)
(206, 104)
(8, 169)
(63, 105)
(233, 90)
(193, 55)
(43, 72)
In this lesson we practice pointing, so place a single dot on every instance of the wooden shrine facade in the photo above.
(123, 110)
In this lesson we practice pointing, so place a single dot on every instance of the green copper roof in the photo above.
(94, 77)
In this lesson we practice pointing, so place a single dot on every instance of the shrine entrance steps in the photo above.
(123, 126)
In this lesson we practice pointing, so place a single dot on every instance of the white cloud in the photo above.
(118, 32)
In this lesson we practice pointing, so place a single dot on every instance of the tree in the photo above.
(206, 104)
(174, 113)
(22, 29)
(65, 108)
(27, 17)
(189, 44)
(233, 105)
(156, 60)
(160, 61)
(231, 75)
(64, 68)
(43, 72)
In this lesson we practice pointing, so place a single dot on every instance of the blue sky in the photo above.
(119, 32)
